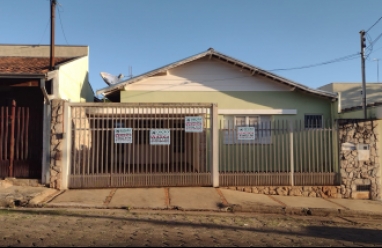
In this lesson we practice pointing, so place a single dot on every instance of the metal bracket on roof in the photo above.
(50, 75)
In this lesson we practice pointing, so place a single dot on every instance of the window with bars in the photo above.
(261, 124)
(313, 121)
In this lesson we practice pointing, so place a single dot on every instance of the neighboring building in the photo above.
(350, 99)
(238, 88)
(27, 83)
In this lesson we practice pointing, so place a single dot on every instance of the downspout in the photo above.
(42, 87)
(45, 175)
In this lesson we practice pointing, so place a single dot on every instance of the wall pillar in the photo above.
(56, 143)
(355, 172)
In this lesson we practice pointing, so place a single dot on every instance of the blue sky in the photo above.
(148, 34)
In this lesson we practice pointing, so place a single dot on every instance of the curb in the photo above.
(230, 209)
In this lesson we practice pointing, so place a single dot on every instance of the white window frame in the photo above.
(230, 136)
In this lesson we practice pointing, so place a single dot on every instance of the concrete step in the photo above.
(7, 182)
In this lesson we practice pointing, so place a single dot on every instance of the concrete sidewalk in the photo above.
(209, 199)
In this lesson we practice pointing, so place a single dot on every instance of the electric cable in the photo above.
(374, 24)
(62, 27)
(341, 59)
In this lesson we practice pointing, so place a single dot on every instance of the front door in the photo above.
(20, 141)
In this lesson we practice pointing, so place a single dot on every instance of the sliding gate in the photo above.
(139, 145)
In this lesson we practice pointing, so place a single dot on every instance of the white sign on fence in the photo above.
(246, 133)
(194, 124)
(160, 136)
(123, 135)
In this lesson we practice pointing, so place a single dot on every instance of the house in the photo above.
(350, 99)
(206, 120)
(27, 87)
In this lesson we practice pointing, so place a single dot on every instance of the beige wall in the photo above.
(207, 75)
(74, 83)
(351, 93)
(43, 51)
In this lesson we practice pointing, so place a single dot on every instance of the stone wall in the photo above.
(56, 144)
(307, 191)
(355, 171)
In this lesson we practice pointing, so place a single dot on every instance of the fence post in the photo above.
(66, 148)
(215, 145)
(291, 152)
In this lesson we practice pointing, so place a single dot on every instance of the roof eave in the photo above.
(15, 75)
(110, 89)
(255, 70)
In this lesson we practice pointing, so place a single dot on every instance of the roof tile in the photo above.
(27, 65)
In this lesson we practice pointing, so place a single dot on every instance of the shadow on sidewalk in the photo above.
(358, 235)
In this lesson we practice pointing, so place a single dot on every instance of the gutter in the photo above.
(42, 87)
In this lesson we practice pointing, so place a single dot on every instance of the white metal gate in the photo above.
(139, 145)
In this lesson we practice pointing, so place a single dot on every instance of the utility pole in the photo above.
(52, 30)
(363, 45)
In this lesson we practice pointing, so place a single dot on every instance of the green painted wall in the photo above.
(304, 103)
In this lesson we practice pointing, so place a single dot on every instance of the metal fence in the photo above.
(138, 145)
(277, 153)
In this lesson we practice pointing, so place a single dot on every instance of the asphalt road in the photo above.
(23, 227)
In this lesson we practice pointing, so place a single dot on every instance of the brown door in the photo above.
(20, 141)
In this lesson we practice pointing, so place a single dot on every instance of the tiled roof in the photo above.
(253, 70)
(27, 65)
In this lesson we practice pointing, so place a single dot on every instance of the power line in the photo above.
(371, 46)
(62, 28)
(374, 24)
(341, 59)
(376, 39)
(42, 37)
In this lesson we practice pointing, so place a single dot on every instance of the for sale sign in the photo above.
(194, 124)
(123, 135)
(246, 133)
(160, 137)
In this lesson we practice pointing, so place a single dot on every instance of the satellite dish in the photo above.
(111, 79)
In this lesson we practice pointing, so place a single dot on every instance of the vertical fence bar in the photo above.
(214, 143)
(2, 121)
(88, 136)
(291, 147)
(12, 138)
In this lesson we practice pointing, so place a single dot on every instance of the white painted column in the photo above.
(47, 119)
(215, 145)
(66, 146)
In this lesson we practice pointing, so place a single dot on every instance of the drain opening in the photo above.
(17, 203)
(363, 188)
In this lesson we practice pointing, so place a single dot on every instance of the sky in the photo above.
(148, 34)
